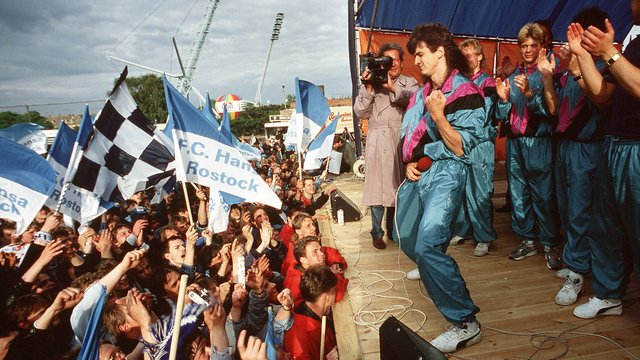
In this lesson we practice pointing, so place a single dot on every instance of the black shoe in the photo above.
(378, 243)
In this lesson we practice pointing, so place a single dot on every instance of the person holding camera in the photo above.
(383, 100)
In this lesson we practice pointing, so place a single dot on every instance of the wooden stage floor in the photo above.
(518, 315)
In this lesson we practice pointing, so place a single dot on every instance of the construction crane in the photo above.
(184, 85)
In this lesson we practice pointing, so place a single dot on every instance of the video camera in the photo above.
(377, 66)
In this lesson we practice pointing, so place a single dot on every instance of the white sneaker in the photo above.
(596, 307)
(569, 292)
(458, 337)
(563, 273)
(482, 249)
(413, 274)
(456, 240)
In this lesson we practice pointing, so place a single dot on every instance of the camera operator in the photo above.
(384, 104)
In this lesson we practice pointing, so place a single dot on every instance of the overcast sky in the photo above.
(55, 51)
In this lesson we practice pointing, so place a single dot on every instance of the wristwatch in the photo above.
(613, 59)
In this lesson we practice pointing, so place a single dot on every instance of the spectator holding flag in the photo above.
(384, 105)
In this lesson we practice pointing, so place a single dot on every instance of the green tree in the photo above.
(253, 118)
(148, 92)
(290, 98)
(8, 118)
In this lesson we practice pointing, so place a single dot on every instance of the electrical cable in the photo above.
(137, 26)
(372, 319)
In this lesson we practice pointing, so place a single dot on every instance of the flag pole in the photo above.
(299, 161)
(175, 335)
(324, 330)
(186, 199)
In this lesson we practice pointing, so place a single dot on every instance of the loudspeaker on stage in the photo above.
(397, 341)
(340, 201)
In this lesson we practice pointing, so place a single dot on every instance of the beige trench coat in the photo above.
(384, 170)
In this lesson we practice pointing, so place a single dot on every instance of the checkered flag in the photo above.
(125, 153)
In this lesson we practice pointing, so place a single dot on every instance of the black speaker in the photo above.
(397, 341)
(341, 201)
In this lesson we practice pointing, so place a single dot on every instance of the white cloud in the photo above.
(55, 51)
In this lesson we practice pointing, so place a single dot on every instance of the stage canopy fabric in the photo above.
(497, 18)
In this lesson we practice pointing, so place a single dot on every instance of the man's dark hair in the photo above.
(434, 36)
(165, 245)
(591, 16)
(391, 46)
(316, 281)
(207, 253)
(299, 249)
(546, 24)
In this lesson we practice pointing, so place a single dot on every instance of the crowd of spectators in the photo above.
(54, 276)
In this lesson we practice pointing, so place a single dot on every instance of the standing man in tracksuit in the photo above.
(442, 125)
(475, 219)
(527, 104)
(615, 220)
(579, 136)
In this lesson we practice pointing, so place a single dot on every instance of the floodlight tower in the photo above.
(274, 36)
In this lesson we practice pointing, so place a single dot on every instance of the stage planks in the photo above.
(515, 297)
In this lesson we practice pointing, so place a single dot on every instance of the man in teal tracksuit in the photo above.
(475, 219)
(443, 124)
(527, 103)
(615, 219)
(579, 136)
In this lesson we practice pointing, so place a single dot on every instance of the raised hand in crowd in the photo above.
(223, 291)
(247, 232)
(130, 261)
(238, 299)
(190, 246)
(257, 276)
(104, 243)
(286, 300)
(203, 207)
(337, 269)
(137, 309)
(50, 251)
(50, 224)
(8, 260)
(207, 235)
(252, 348)
(138, 230)
(225, 253)
(215, 318)
(266, 233)
(66, 299)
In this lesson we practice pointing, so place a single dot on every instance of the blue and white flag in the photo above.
(249, 152)
(64, 156)
(208, 110)
(90, 349)
(205, 156)
(26, 180)
(125, 153)
(320, 147)
(58, 158)
(312, 111)
(27, 134)
(218, 212)
(270, 339)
